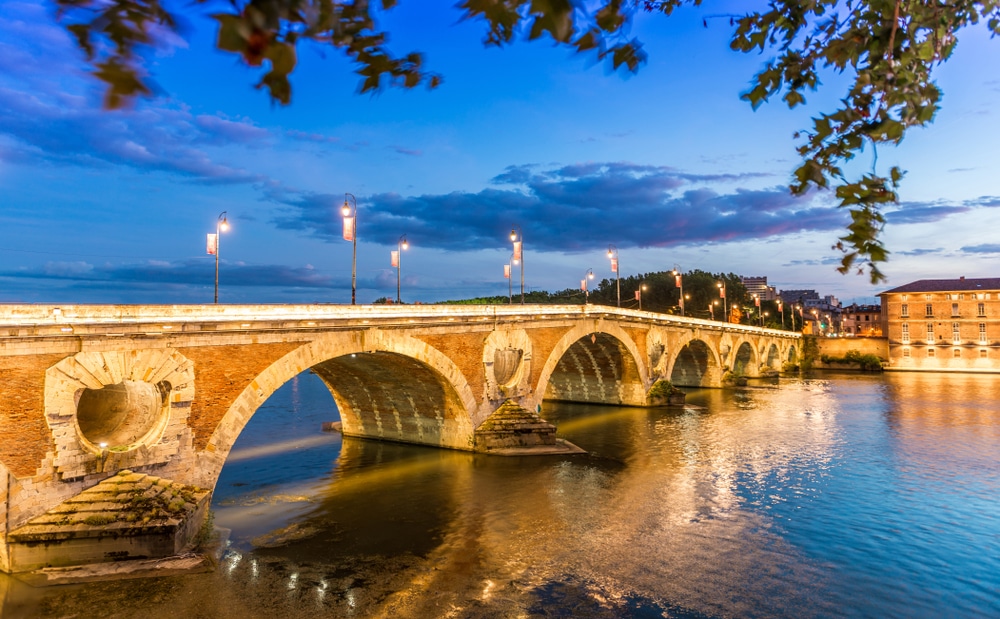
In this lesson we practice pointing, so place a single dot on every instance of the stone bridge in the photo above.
(87, 391)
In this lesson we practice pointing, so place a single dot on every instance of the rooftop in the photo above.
(949, 285)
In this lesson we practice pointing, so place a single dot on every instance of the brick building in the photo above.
(943, 324)
(862, 320)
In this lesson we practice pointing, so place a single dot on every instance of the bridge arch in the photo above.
(388, 386)
(745, 359)
(771, 356)
(598, 363)
(696, 364)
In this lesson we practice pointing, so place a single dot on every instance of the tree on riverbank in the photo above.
(887, 48)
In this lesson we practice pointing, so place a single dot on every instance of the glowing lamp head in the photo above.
(590, 275)
(346, 209)
(405, 244)
(224, 226)
(513, 235)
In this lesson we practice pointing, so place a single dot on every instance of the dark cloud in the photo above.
(985, 248)
(185, 273)
(927, 212)
(919, 214)
(572, 208)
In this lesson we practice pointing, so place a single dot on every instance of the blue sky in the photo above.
(668, 164)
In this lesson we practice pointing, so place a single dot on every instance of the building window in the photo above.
(904, 310)
(982, 353)
(928, 310)
(954, 309)
(957, 353)
(906, 333)
(906, 352)
(930, 333)
(979, 296)
(867, 317)
(981, 309)
(927, 297)
(956, 336)
(961, 296)
(982, 333)
(930, 352)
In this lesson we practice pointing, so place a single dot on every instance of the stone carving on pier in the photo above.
(507, 364)
(113, 410)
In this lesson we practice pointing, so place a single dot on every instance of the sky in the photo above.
(667, 165)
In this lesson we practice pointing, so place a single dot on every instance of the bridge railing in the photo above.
(69, 318)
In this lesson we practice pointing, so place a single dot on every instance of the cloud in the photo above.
(407, 151)
(928, 212)
(814, 262)
(185, 273)
(572, 208)
(919, 252)
(317, 138)
(50, 113)
(985, 248)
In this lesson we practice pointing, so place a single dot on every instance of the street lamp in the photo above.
(351, 234)
(583, 285)
(679, 282)
(616, 269)
(517, 238)
(221, 225)
(781, 310)
(506, 273)
(638, 295)
(397, 259)
(722, 293)
(765, 314)
(711, 308)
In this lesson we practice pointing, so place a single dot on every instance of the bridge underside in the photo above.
(695, 366)
(393, 397)
(597, 369)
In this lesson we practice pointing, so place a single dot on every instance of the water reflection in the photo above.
(848, 496)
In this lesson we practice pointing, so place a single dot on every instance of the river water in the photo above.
(833, 496)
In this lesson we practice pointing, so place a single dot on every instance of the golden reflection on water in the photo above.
(759, 502)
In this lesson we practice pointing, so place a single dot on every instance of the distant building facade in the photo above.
(862, 320)
(757, 285)
(943, 324)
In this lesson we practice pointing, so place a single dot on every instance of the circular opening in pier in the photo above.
(121, 414)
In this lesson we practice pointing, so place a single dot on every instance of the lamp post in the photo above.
(762, 318)
(722, 293)
(517, 238)
(221, 225)
(711, 308)
(616, 268)
(781, 310)
(679, 282)
(401, 244)
(638, 295)
(583, 285)
(506, 273)
(351, 234)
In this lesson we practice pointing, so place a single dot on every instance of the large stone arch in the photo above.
(746, 360)
(770, 355)
(695, 364)
(386, 385)
(598, 363)
(792, 355)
